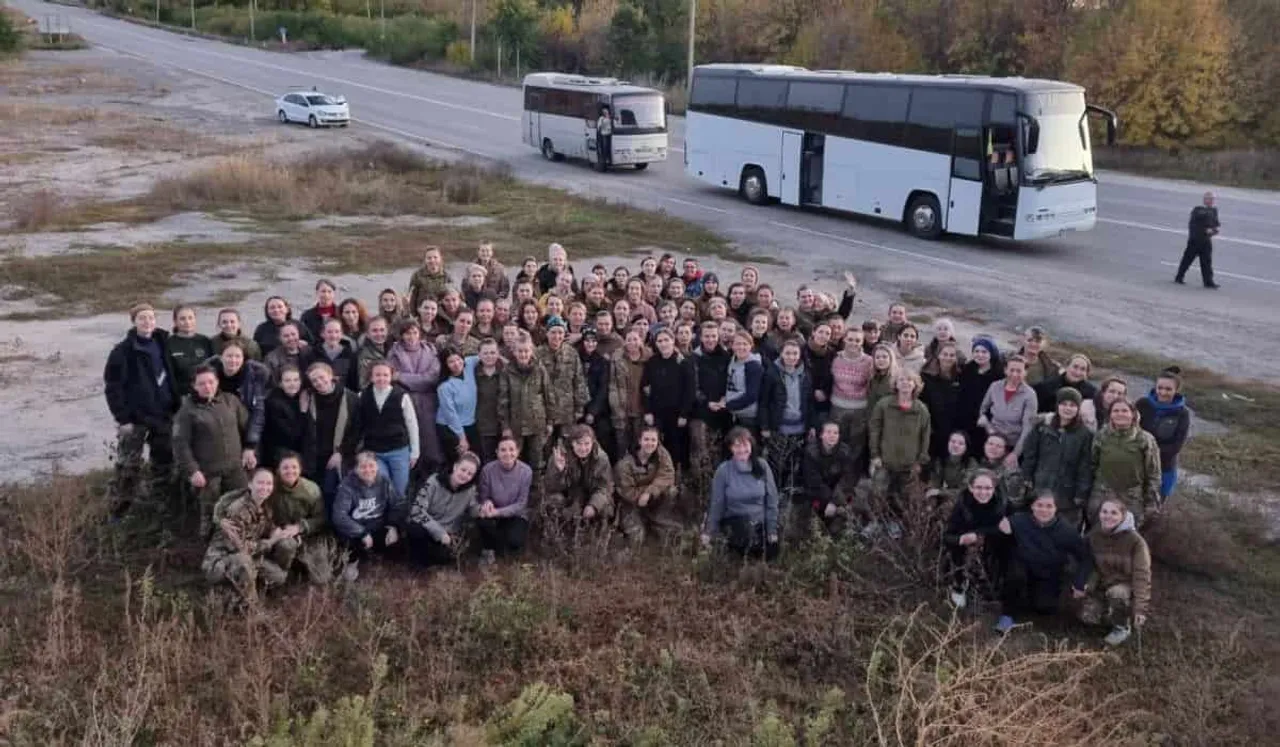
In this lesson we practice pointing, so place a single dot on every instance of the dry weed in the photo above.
(48, 529)
(935, 683)
(36, 210)
(38, 115)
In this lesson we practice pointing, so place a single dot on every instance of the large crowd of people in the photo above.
(464, 412)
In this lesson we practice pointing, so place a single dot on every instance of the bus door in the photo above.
(533, 107)
(1000, 178)
(792, 178)
(965, 204)
(811, 168)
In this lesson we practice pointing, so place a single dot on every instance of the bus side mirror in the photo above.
(1113, 121)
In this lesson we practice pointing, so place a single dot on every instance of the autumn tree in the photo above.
(1165, 66)
(628, 34)
(855, 35)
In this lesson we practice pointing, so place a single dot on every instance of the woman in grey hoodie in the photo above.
(1009, 408)
(443, 511)
(744, 501)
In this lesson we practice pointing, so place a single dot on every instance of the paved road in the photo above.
(1111, 285)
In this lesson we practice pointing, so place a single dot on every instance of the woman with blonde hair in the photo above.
(1126, 464)
(1119, 591)
(899, 445)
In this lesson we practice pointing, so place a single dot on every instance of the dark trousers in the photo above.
(449, 441)
(356, 549)
(675, 438)
(604, 149)
(1201, 249)
(488, 447)
(1024, 591)
(980, 567)
(130, 442)
(747, 539)
(504, 536)
(426, 551)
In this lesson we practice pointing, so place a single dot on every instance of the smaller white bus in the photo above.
(561, 111)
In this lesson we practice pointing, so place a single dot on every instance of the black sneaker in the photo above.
(1179, 281)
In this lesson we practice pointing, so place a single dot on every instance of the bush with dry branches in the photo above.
(934, 683)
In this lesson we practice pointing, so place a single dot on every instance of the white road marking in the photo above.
(1232, 275)
(1183, 231)
(698, 205)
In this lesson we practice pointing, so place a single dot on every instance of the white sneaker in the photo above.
(351, 572)
(895, 530)
(871, 530)
(1118, 635)
(488, 557)
(959, 600)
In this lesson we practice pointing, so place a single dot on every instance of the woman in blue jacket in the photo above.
(456, 413)
(1163, 413)
(746, 376)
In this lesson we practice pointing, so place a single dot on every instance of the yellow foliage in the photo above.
(557, 23)
(458, 53)
(1165, 65)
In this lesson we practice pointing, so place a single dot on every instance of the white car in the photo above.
(313, 107)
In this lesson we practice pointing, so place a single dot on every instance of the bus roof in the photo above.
(1027, 85)
(610, 86)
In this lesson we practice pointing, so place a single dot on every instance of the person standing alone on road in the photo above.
(1203, 227)
(604, 138)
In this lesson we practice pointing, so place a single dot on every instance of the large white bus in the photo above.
(561, 111)
(965, 155)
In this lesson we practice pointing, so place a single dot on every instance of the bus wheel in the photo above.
(753, 186)
(924, 217)
(548, 150)
(641, 166)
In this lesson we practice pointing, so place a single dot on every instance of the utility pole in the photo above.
(693, 36)
(382, 20)
(193, 15)
(253, 35)
(473, 30)
(157, 12)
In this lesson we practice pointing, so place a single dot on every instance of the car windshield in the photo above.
(641, 111)
(319, 99)
(1063, 153)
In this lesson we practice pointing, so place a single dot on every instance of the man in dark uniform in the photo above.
(1203, 227)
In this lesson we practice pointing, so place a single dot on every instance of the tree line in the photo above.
(1198, 74)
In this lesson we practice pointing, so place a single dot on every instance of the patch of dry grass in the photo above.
(154, 136)
(18, 114)
(35, 210)
(26, 78)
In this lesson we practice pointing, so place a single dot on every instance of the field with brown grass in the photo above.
(109, 637)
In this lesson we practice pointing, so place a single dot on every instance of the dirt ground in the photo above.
(94, 125)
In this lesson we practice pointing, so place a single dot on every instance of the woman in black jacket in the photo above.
(974, 528)
(941, 376)
(669, 386)
(983, 369)
(1074, 376)
(276, 312)
(289, 426)
(596, 368)
(1057, 457)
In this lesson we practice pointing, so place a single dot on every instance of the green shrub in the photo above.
(10, 38)
(540, 717)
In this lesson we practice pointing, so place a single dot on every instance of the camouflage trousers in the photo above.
(217, 484)
(241, 570)
(313, 556)
(893, 489)
(131, 440)
(1112, 606)
(660, 516)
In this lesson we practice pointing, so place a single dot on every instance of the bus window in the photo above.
(714, 94)
(875, 113)
(1003, 109)
(762, 99)
(643, 112)
(935, 112)
(814, 106)
(968, 154)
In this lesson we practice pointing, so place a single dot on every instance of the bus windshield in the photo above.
(640, 112)
(1063, 151)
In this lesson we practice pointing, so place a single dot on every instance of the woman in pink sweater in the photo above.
(851, 374)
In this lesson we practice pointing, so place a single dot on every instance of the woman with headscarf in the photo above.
(976, 377)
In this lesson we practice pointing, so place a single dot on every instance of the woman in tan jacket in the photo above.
(1120, 590)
